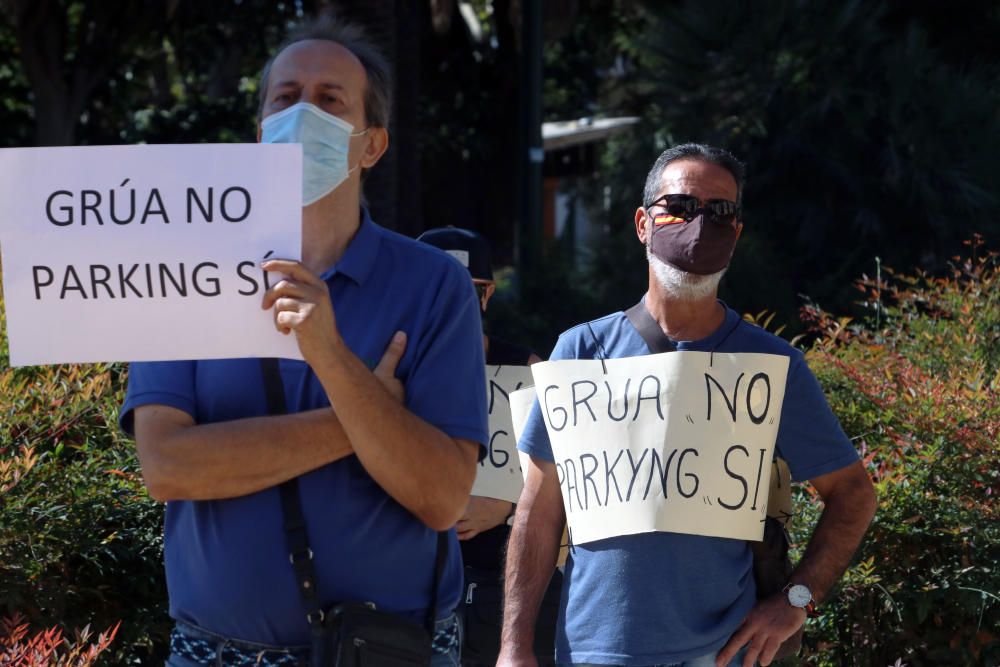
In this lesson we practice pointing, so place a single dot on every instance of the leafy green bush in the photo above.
(918, 389)
(917, 386)
(80, 541)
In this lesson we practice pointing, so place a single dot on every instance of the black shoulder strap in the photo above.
(647, 327)
(296, 537)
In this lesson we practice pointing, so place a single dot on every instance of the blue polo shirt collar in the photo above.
(358, 260)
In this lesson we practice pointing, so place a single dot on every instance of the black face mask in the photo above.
(697, 246)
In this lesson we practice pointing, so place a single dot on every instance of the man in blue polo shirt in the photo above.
(383, 459)
(668, 598)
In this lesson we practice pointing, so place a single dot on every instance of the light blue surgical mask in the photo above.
(325, 142)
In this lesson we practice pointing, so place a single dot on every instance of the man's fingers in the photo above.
(754, 650)
(292, 269)
(735, 643)
(287, 321)
(283, 288)
(770, 649)
(390, 358)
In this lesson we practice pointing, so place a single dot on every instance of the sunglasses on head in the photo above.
(683, 208)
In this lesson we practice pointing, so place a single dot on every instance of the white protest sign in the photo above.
(150, 252)
(679, 442)
(520, 407)
(499, 474)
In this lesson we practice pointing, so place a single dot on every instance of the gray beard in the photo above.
(681, 284)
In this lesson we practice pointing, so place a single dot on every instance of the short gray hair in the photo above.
(693, 151)
(378, 93)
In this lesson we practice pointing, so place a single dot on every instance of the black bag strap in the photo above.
(296, 537)
(647, 327)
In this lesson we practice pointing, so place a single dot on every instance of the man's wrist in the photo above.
(801, 597)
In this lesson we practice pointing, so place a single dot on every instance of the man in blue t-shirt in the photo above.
(384, 452)
(669, 598)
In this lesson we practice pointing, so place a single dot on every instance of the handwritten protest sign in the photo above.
(499, 474)
(520, 407)
(679, 442)
(118, 253)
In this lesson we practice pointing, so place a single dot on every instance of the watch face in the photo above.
(799, 596)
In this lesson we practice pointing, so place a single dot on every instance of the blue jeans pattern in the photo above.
(225, 652)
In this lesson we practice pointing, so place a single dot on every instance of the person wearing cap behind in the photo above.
(483, 528)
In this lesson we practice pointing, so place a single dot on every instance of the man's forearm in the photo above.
(531, 559)
(420, 466)
(838, 534)
(235, 458)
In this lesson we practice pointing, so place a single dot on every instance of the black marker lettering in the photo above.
(216, 288)
(192, 197)
(102, 281)
(611, 414)
(588, 477)
(159, 210)
(549, 413)
(239, 271)
(691, 475)
(730, 405)
(739, 478)
(584, 401)
(224, 209)
(767, 404)
(77, 286)
(655, 397)
(68, 210)
(131, 205)
(35, 271)
(663, 471)
(84, 206)
(609, 474)
(635, 465)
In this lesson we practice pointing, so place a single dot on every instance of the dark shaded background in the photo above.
(870, 129)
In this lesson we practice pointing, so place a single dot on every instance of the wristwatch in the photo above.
(801, 597)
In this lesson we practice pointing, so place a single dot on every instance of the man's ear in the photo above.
(259, 132)
(375, 147)
(739, 228)
(642, 225)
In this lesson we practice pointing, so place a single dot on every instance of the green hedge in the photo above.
(916, 386)
(80, 541)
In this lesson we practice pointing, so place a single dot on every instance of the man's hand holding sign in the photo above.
(298, 473)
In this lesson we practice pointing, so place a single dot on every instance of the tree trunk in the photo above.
(62, 90)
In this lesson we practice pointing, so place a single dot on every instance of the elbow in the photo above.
(442, 514)
(859, 500)
(159, 493)
(155, 475)
(869, 500)
(440, 521)
(443, 509)
(157, 486)
(445, 513)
